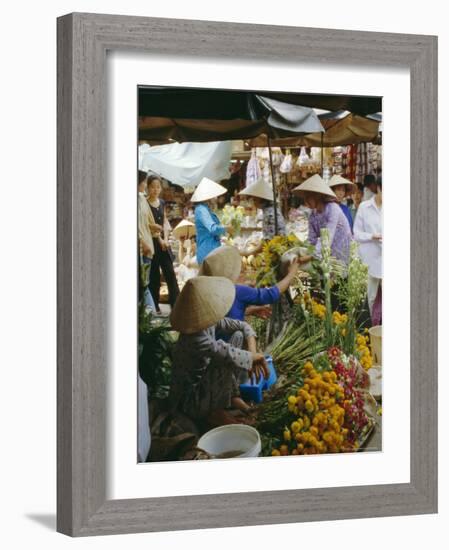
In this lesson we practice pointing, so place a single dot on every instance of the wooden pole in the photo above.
(276, 224)
(322, 154)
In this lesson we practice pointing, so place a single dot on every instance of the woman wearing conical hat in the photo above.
(343, 188)
(207, 225)
(205, 368)
(326, 212)
(262, 195)
(227, 262)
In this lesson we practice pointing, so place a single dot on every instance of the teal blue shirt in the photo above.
(208, 231)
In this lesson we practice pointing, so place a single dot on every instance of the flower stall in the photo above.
(321, 401)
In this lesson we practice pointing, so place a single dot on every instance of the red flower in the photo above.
(334, 352)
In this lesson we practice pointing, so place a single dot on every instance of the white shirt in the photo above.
(368, 221)
(367, 194)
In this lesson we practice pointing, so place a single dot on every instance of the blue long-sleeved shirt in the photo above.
(249, 296)
(208, 231)
(347, 213)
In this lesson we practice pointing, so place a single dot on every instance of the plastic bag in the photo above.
(253, 173)
(286, 164)
(303, 158)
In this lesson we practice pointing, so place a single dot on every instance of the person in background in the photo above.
(356, 198)
(163, 256)
(368, 232)
(207, 225)
(369, 187)
(145, 225)
(342, 189)
(325, 213)
(205, 368)
(187, 263)
(262, 195)
(227, 262)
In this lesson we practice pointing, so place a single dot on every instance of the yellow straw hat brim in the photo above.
(207, 190)
(260, 189)
(224, 261)
(340, 180)
(315, 184)
(184, 229)
(202, 303)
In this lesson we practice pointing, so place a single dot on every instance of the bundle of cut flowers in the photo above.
(324, 413)
(232, 216)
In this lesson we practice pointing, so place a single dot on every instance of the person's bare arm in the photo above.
(251, 344)
(291, 274)
(155, 227)
(253, 251)
(263, 312)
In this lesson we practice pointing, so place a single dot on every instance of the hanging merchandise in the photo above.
(266, 172)
(327, 173)
(373, 158)
(303, 159)
(379, 160)
(253, 173)
(286, 164)
(337, 160)
(277, 156)
(350, 162)
(315, 156)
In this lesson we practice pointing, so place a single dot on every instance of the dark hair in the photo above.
(379, 181)
(152, 177)
(369, 179)
(359, 187)
(266, 202)
(142, 177)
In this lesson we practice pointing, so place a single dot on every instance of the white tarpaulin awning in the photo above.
(185, 164)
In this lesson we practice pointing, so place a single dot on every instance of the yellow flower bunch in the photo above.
(363, 351)
(272, 251)
(339, 318)
(319, 310)
(318, 427)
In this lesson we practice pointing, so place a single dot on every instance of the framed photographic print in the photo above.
(250, 337)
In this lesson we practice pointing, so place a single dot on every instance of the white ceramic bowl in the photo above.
(234, 441)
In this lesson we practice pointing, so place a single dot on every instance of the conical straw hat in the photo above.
(315, 184)
(339, 180)
(184, 229)
(202, 303)
(224, 261)
(206, 190)
(259, 189)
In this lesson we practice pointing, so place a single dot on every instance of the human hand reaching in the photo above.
(259, 368)
(293, 267)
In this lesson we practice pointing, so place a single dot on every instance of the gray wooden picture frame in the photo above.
(83, 40)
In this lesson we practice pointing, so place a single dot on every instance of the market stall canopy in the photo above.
(350, 129)
(185, 164)
(197, 103)
(215, 115)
